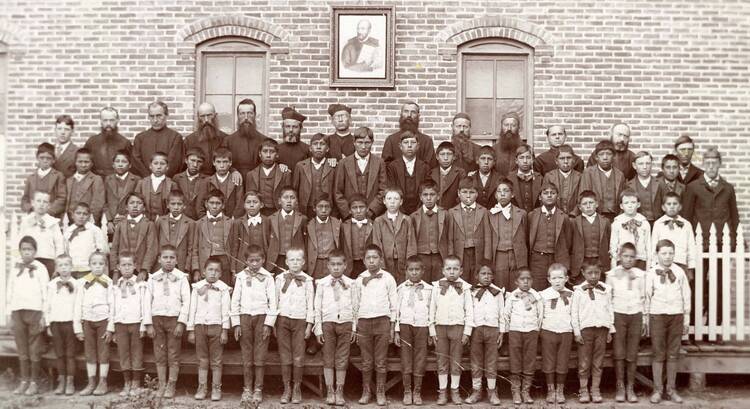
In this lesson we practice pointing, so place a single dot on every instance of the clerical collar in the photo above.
(343, 135)
(43, 173)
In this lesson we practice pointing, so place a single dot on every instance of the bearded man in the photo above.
(245, 142)
(106, 143)
(507, 143)
(207, 136)
(292, 150)
(159, 138)
(409, 122)
(467, 151)
(619, 134)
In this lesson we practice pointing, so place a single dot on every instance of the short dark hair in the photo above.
(486, 150)
(136, 194)
(428, 184)
(337, 253)
(215, 193)
(65, 119)
(253, 249)
(629, 193)
(167, 247)
(672, 194)
(586, 194)
(247, 101)
(161, 104)
(627, 246)
(414, 260)
(213, 260)
(82, 205)
(467, 183)
(564, 148)
(374, 247)
(125, 254)
(268, 142)
(195, 151)
(27, 240)
(363, 132)
(82, 151)
(123, 152)
(505, 181)
(157, 154)
(222, 153)
(357, 197)
(45, 147)
(176, 194)
(668, 157)
(445, 145)
(664, 243)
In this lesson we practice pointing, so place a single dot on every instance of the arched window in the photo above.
(228, 70)
(496, 78)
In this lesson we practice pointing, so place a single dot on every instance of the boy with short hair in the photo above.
(335, 328)
(591, 234)
(363, 173)
(177, 229)
(675, 228)
(288, 229)
(314, 176)
(252, 229)
(82, 238)
(509, 225)
(208, 326)
(447, 175)
(267, 178)
(452, 312)
(631, 226)
(190, 180)
(556, 332)
(646, 187)
(85, 186)
(408, 172)
(486, 177)
(593, 325)
(45, 179)
(137, 235)
(606, 181)
(118, 186)
(527, 184)
(566, 179)
(432, 231)
(356, 235)
(550, 234)
(221, 181)
(376, 316)
(471, 230)
(65, 150)
(394, 234)
(211, 237)
(58, 315)
(670, 173)
(170, 305)
(412, 328)
(323, 236)
(45, 229)
(156, 187)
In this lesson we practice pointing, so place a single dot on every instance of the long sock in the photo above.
(340, 376)
(103, 370)
(90, 370)
(71, 366)
(491, 383)
(328, 375)
(455, 381)
(476, 383)
(442, 381)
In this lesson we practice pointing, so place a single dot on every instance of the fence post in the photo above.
(699, 329)
(739, 285)
(4, 263)
(726, 284)
(712, 287)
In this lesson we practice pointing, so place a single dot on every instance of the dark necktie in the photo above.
(445, 284)
(78, 230)
(481, 289)
(366, 280)
(673, 222)
(565, 295)
(590, 288)
(203, 291)
(250, 276)
(416, 288)
(21, 267)
(664, 274)
(289, 277)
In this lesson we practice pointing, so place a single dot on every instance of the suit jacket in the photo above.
(346, 241)
(449, 190)
(536, 189)
(396, 171)
(563, 234)
(655, 193)
(239, 240)
(145, 189)
(114, 198)
(590, 181)
(302, 183)
(312, 240)
(397, 242)
(191, 195)
(445, 226)
(66, 163)
(54, 183)
(482, 234)
(274, 239)
(486, 193)
(546, 162)
(704, 205)
(89, 190)
(166, 140)
(693, 173)
(577, 250)
(145, 248)
(346, 184)
(425, 152)
(520, 228)
(233, 201)
(201, 241)
(569, 206)
(182, 239)
(280, 179)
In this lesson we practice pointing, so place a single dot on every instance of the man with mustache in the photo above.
(105, 144)
(467, 151)
(341, 141)
(159, 138)
(507, 143)
(684, 148)
(409, 121)
(547, 160)
(619, 134)
(245, 142)
(292, 150)
(208, 136)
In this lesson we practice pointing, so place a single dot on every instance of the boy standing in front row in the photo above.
(556, 333)
(61, 296)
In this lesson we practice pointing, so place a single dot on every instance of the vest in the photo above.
(255, 235)
(564, 188)
(265, 185)
(286, 225)
(155, 203)
(428, 234)
(316, 188)
(358, 242)
(362, 177)
(545, 235)
(505, 234)
(469, 219)
(644, 195)
(324, 235)
(526, 200)
(216, 232)
(607, 201)
(591, 237)
(411, 196)
(132, 232)
(120, 187)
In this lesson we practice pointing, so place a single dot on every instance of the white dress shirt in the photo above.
(220, 178)
(621, 235)
(297, 302)
(591, 219)
(267, 171)
(668, 297)
(628, 289)
(46, 231)
(317, 165)
(60, 300)
(92, 303)
(254, 296)
(84, 244)
(488, 311)
(414, 304)
(209, 304)
(523, 311)
(410, 165)
(587, 313)
(504, 210)
(556, 319)
(43, 172)
(27, 290)
(452, 308)
(361, 162)
(130, 303)
(682, 237)
(170, 294)
(156, 181)
(334, 303)
(378, 298)
(607, 173)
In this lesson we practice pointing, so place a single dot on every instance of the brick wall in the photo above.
(664, 67)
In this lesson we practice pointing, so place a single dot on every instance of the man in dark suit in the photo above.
(65, 150)
(363, 173)
(409, 122)
(466, 151)
(245, 142)
(208, 136)
(684, 148)
(292, 150)
(105, 144)
(158, 138)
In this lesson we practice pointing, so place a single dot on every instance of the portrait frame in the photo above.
(363, 64)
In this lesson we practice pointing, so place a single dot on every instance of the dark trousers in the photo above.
(433, 266)
(253, 346)
(358, 266)
(373, 335)
(28, 334)
(397, 268)
(449, 348)
(666, 333)
(96, 350)
(64, 343)
(483, 352)
(505, 270)
(280, 265)
(591, 353)
(337, 345)
(167, 347)
(468, 262)
(290, 334)
(522, 352)
(628, 328)
(555, 351)
(208, 347)
(539, 264)
(129, 346)
(320, 269)
(413, 348)
(49, 264)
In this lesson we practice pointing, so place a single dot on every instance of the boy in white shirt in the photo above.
(82, 238)
(412, 328)
(628, 298)
(486, 337)
(668, 310)
(61, 296)
(335, 328)
(679, 231)
(557, 332)
(452, 313)
(130, 315)
(208, 326)
(45, 229)
(253, 314)
(26, 301)
(631, 226)
(376, 319)
(593, 325)
(170, 305)
(93, 308)
(294, 295)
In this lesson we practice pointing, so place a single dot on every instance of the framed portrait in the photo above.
(363, 43)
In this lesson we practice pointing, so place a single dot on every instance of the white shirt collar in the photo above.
(316, 165)
(471, 206)
(549, 212)
(42, 173)
(646, 183)
(63, 146)
(79, 177)
(591, 219)
(321, 221)
(709, 180)
(123, 177)
(222, 179)
(284, 214)
(391, 216)
(434, 209)
(254, 220)
(156, 181)
(409, 164)
(267, 171)
(445, 171)
(218, 216)
(192, 178)
(606, 172)
(359, 223)
(137, 218)
(360, 158)
(564, 174)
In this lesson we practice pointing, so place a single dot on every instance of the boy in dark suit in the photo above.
(155, 188)
(606, 181)
(549, 237)
(135, 234)
(394, 234)
(46, 179)
(211, 237)
(684, 148)
(509, 226)
(267, 177)
(646, 187)
(190, 180)
(432, 229)
(222, 181)
(547, 161)
(471, 230)
(363, 173)
(288, 230)
(670, 173)
(356, 235)
(566, 179)
(526, 183)
(486, 177)
(65, 150)
(314, 176)
(590, 238)
(118, 186)
(447, 175)
(252, 229)
(408, 172)
(323, 236)
(176, 229)
(85, 186)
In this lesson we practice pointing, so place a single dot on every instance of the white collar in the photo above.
(318, 165)
(645, 185)
(63, 146)
(549, 212)
(43, 173)
(321, 221)
(79, 177)
(137, 218)
(218, 216)
(284, 214)
(591, 218)
(220, 178)
(157, 179)
(266, 170)
(529, 173)
(191, 178)
(434, 208)
(446, 171)
(360, 159)
(359, 223)
(484, 177)
(606, 172)
(505, 210)
(409, 162)
(471, 206)
(391, 216)
(178, 218)
(254, 220)
(123, 177)
(565, 175)
(709, 180)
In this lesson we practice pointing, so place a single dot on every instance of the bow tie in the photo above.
(203, 291)
(527, 298)
(336, 290)
(125, 285)
(254, 220)
(173, 221)
(289, 277)
(481, 289)
(526, 177)
(429, 212)
(78, 230)
(416, 290)
(213, 219)
(366, 280)
(359, 223)
(664, 274)
(631, 276)
(445, 284)
(92, 279)
(632, 226)
(67, 283)
(257, 275)
(165, 278)
(565, 295)
(673, 222)
(590, 288)
(468, 208)
(132, 222)
(21, 267)
(40, 222)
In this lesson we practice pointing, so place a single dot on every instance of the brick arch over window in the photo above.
(10, 34)
(208, 28)
(451, 37)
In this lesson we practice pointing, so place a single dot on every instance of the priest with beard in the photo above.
(292, 150)
(245, 142)
(506, 146)
(409, 122)
(623, 160)
(105, 144)
(159, 138)
(341, 141)
(467, 151)
(208, 136)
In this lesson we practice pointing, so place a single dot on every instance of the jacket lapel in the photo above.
(457, 218)
(441, 221)
(142, 227)
(336, 225)
(534, 225)
(372, 177)
(517, 215)
(579, 226)
(297, 223)
(182, 228)
(227, 222)
(312, 233)
(306, 169)
(558, 223)
(350, 166)
(87, 182)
